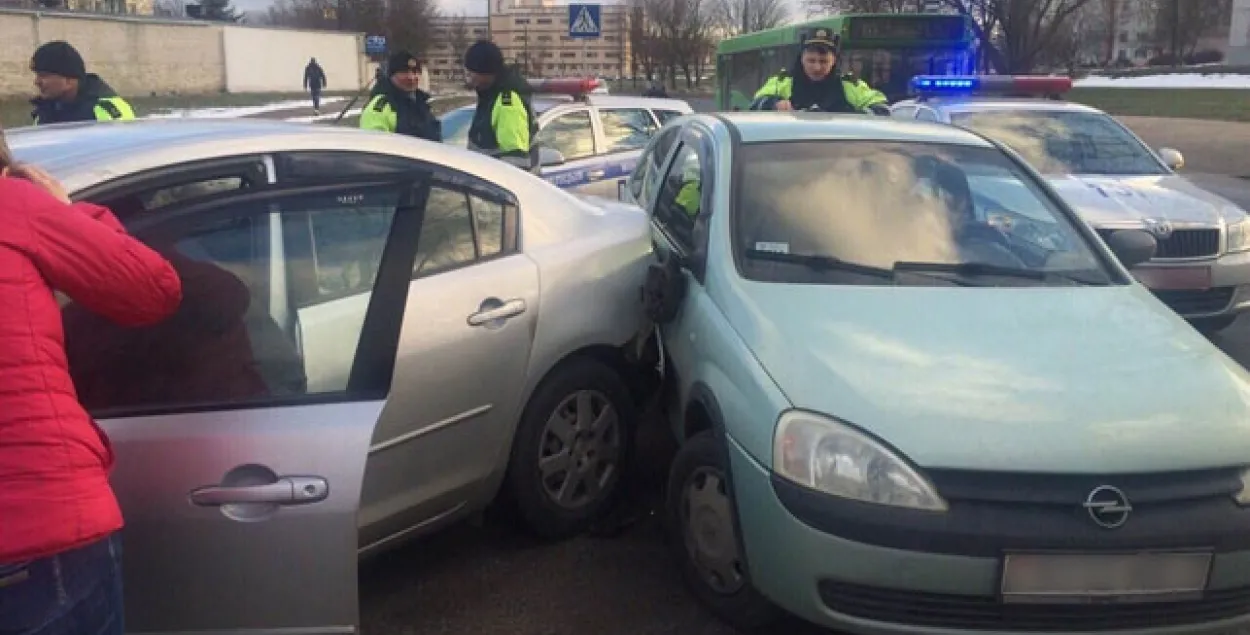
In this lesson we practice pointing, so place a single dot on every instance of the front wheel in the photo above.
(703, 527)
(571, 447)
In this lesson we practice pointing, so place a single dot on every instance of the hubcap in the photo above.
(580, 450)
(711, 540)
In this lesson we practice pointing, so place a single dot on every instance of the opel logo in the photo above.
(1160, 228)
(1108, 507)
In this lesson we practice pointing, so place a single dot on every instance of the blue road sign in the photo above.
(584, 20)
(375, 45)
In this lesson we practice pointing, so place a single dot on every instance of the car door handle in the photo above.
(597, 174)
(509, 309)
(288, 490)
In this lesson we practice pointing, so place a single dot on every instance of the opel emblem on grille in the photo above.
(1108, 507)
(1160, 228)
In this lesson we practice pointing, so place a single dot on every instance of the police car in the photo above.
(592, 141)
(1201, 268)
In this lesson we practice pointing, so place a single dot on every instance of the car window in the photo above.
(814, 212)
(642, 181)
(925, 114)
(275, 294)
(666, 115)
(626, 128)
(681, 196)
(456, 126)
(162, 188)
(903, 112)
(453, 217)
(571, 134)
(1060, 142)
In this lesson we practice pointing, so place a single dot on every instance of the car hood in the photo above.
(1077, 380)
(1128, 200)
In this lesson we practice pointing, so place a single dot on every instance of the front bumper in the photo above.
(939, 583)
(1228, 293)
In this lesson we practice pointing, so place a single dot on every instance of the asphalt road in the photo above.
(489, 580)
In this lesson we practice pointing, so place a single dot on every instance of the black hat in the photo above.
(484, 57)
(58, 58)
(402, 60)
(822, 38)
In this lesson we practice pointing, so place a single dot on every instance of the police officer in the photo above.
(67, 92)
(398, 105)
(813, 82)
(503, 125)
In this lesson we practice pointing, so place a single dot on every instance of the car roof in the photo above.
(82, 155)
(543, 102)
(982, 104)
(757, 126)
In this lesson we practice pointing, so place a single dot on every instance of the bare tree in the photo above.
(1015, 34)
(409, 25)
(735, 17)
(1180, 24)
(828, 7)
(458, 36)
(642, 39)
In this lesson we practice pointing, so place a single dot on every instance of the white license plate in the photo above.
(1081, 578)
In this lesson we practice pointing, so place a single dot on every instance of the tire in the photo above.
(543, 436)
(1213, 325)
(733, 601)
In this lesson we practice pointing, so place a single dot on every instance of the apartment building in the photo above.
(535, 34)
(452, 35)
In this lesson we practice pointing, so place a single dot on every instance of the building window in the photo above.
(544, 38)
(522, 21)
(544, 20)
(568, 55)
(519, 38)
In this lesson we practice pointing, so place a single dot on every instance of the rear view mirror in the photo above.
(1132, 246)
(549, 157)
(1172, 158)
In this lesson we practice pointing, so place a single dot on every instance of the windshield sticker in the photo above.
(777, 248)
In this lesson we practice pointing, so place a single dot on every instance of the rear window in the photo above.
(1065, 142)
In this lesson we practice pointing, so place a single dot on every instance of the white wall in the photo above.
(273, 60)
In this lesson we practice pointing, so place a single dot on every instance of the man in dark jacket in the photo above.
(314, 81)
(67, 92)
(398, 105)
(813, 81)
(504, 124)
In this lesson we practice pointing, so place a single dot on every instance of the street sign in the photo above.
(375, 45)
(584, 20)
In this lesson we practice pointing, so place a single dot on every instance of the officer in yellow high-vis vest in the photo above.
(812, 82)
(503, 125)
(67, 92)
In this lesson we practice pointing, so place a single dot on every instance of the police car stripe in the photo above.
(577, 177)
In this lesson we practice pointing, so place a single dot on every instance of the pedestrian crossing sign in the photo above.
(584, 20)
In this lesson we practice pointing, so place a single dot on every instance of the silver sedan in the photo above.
(380, 336)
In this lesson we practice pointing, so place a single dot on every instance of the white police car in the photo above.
(1201, 268)
(597, 137)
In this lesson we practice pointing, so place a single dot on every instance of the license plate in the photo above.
(1175, 278)
(1077, 578)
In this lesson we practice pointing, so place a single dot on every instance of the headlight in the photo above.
(821, 454)
(1243, 497)
(1239, 235)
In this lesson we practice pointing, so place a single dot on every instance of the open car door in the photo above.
(240, 457)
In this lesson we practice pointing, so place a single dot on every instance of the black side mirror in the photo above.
(1132, 246)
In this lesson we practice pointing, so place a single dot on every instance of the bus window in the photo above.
(745, 78)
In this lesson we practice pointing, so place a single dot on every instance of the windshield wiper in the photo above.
(820, 262)
(974, 269)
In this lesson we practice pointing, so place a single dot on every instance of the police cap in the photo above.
(822, 39)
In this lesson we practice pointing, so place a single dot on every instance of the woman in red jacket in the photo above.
(60, 569)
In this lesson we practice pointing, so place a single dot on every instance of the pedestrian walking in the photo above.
(67, 92)
(314, 81)
(399, 105)
(60, 551)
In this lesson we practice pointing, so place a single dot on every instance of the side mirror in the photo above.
(1172, 158)
(1132, 246)
(548, 157)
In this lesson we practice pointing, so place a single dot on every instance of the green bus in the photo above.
(886, 50)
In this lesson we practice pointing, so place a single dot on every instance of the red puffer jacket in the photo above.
(54, 460)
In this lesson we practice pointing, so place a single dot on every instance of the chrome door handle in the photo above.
(288, 490)
(596, 174)
(509, 309)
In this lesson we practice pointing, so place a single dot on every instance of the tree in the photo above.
(409, 25)
(458, 36)
(735, 17)
(218, 10)
(827, 7)
(1180, 24)
(1015, 34)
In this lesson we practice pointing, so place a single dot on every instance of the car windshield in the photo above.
(456, 126)
(871, 212)
(1060, 142)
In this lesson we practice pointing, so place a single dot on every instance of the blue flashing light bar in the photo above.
(1035, 85)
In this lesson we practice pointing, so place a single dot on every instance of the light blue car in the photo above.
(916, 393)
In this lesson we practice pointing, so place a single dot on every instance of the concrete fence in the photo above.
(141, 56)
